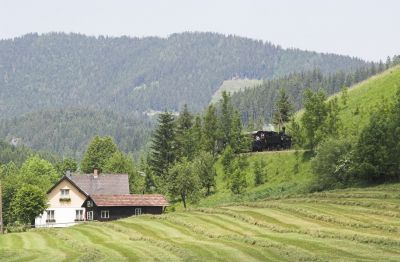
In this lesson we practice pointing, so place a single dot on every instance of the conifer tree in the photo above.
(238, 182)
(197, 136)
(210, 131)
(226, 119)
(236, 133)
(283, 109)
(184, 137)
(163, 148)
(259, 172)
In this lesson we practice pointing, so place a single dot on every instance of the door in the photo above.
(138, 211)
(89, 215)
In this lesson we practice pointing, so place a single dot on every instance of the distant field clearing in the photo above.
(233, 86)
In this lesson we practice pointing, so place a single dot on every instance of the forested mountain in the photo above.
(257, 103)
(67, 132)
(57, 70)
(18, 154)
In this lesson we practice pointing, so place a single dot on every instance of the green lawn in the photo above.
(342, 225)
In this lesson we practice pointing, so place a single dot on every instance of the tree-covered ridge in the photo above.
(257, 104)
(59, 70)
(67, 132)
(18, 154)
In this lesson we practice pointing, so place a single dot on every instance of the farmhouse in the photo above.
(108, 207)
(76, 198)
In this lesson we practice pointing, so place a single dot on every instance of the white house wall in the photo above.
(64, 211)
(64, 217)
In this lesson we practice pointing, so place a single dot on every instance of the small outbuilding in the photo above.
(110, 207)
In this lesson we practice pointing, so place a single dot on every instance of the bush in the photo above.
(17, 227)
(332, 164)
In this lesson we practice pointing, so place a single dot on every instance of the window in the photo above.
(65, 193)
(138, 211)
(64, 197)
(79, 215)
(89, 215)
(89, 204)
(105, 214)
(50, 216)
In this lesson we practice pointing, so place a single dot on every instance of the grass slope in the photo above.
(286, 172)
(289, 172)
(342, 225)
(233, 86)
(366, 96)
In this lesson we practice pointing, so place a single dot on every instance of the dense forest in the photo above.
(67, 132)
(57, 70)
(257, 104)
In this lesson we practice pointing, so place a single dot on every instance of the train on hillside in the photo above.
(270, 141)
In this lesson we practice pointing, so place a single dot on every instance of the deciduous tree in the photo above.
(98, 152)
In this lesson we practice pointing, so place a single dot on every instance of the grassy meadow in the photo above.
(343, 225)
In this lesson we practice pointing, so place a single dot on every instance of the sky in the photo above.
(369, 29)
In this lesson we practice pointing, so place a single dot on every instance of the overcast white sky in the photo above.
(369, 29)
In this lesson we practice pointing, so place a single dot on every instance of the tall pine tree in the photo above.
(210, 131)
(163, 148)
(283, 109)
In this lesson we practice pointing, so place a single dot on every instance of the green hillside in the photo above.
(364, 98)
(286, 172)
(289, 172)
(342, 225)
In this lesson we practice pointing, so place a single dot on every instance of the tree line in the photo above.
(185, 148)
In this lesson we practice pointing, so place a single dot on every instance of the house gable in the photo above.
(75, 197)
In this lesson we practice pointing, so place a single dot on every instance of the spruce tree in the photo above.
(283, 109)
(197, 136)
(184, 138)
(226, 119)
(210, 131)
(163, 148)
(259, 172)
(236, 133)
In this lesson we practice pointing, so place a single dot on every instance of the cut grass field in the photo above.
(344, 225)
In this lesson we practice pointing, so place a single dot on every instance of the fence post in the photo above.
(1, 210)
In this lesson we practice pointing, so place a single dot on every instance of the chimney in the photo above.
(68, 174)
(95, 173)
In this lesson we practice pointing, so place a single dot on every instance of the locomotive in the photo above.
(270, 140)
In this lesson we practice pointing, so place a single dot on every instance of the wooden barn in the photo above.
(110, 207)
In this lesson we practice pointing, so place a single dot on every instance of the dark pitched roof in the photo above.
(69, 180)
(104, 184)
(130, 200)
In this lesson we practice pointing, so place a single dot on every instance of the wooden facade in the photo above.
(105, 208)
